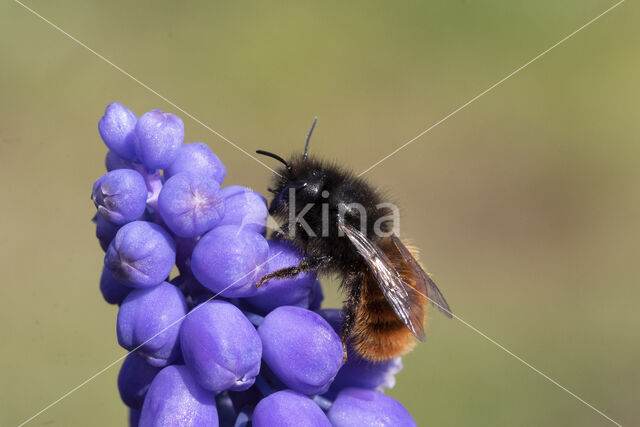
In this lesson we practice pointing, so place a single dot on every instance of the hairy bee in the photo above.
(341, 223)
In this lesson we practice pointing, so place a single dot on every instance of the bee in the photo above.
(340, 223)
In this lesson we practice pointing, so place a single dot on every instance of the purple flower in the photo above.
(191, 204)
(149, 323)
(134, 417)
(287, 408)
(359, 372)
(220, 347)
(190, 287)
(158, 138)
(141, 255)
(207, 347)
(105, 231)
(197, 158)
(120, 196)
(134, 380)
(112, 162)
(113, 291)
(152, 177)
(230, 260)
(226, 411)
(298, 291)
(176, 400)
(301, 349)
(184, 250)
(245, 208)
(116, 128)
(355, 407)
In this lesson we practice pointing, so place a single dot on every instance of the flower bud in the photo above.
(120, 196)
(141, 255)
(105, 231)
(245, 208)
(301, 349)
(230, 260)
(112, 162)
(149, 323)
(287, 408)
(134, 380)
(176, 400)
(220, 347)
(113, 291)
(197, 158)
(158, 138)
(191, 204)
(355, 407)
(191, 288)
(359, 372)
(134, 417)
(226, 411)
(184, 250)
(116, 128)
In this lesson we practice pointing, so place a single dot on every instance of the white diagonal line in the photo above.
(493, 86)
(518, 358)
(115, 362)
(123, 71)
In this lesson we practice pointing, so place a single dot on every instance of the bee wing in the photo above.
(422, 282)
(400, 295)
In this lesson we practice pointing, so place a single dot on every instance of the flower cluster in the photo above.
(207, 347)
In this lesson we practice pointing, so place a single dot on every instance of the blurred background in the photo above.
(525, 205)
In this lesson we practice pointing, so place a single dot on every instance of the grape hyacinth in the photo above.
(206, 346)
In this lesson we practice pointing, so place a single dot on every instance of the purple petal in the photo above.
(176, 400)
(197, 158)
(120, 196)
(113, 290)
(245, 208)
(287, 408)
(220, 347)
(230, 260)
(158, 138)
(149, 323)
(134, 380)
(116, 128)
(355, 407)
(191, 204)
(141, 255)
(301, 349)
(359, 372)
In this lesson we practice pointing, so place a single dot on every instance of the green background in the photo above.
(525, 204)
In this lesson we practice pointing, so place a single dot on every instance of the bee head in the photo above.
(301, 180)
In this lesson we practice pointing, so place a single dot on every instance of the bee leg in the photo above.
(352, 283)
(307, 264)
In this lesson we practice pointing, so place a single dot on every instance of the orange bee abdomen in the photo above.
(379, 334)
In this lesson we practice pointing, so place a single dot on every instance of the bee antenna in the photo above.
(275, 156)
(306, 145)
